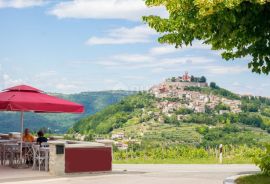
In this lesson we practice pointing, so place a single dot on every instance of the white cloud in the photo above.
(236, 83)
(66, 87)
(49, 73)
(134, 77)
(52, 81)
(265, 85)
(8, 81)
(159, 70)
(137, 61)
(198, 45)
(120, 86)
(226, 70)
(162, 50)
(192, 60)
(110, 81)
(132, 58)
(115, 84)
(47, 81)
(124, 35)
(248, 88)
(170, 49)
(20, 3)
(106, 9)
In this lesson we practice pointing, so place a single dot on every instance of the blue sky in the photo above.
(90, 45)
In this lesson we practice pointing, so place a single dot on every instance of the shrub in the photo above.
(263, 161)
(251, 119)
(184, 111)
(202, 130)
(171, 120)
(250, 107)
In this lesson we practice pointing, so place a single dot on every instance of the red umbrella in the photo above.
(28, 99)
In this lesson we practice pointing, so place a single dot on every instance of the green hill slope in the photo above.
(59, 123)
(140, 119)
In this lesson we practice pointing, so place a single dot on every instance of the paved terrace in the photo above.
(133, 174)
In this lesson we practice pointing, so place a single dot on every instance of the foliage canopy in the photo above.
(240, 28)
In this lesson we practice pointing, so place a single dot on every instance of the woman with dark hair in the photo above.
(41, 137)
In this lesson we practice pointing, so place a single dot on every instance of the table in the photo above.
(7, 141)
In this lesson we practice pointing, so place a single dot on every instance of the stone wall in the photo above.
(188, 84)
(57, 161)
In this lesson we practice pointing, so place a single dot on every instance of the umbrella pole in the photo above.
(22, 114)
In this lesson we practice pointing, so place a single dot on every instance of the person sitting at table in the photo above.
(27, 136)
(41, 137)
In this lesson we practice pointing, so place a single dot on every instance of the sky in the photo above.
(71, 46)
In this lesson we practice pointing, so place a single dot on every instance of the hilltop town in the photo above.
(178, 92)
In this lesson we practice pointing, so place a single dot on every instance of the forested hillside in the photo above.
(59, 123)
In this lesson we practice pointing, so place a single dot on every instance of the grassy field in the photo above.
(253, 179)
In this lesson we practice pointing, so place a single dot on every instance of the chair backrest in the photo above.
(36, 151)
(44, 144)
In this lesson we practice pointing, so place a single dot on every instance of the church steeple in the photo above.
(186, 77)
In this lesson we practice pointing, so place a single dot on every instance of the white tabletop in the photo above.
(7, 141)
(11, 144)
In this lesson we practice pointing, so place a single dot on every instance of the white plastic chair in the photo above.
(38, 158)
(45, 151)
(44, 144)
(28, 151)
(11, 153)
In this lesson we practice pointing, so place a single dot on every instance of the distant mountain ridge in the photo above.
(59, 123)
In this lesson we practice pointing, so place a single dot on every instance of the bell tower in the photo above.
(186, 77)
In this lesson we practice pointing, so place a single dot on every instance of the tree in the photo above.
(222, 106)
(192, 79)
(250, 107)
(213, 85)
(184, 111)
(238, 27)
(171, 120)
(202, 79)
(251, 119)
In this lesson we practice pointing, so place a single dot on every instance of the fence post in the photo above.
(220, 153)
(216, 151)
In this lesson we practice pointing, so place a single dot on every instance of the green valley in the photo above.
(59, 123)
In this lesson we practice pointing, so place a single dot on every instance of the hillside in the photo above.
(59, 123)
(181, 113)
